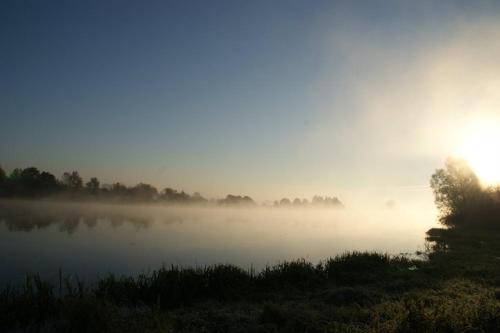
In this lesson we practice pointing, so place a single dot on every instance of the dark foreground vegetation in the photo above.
(31, 183)
(453, 287)
(357, 292)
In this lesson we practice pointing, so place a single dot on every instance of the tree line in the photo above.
(317, 201)
(32, 183)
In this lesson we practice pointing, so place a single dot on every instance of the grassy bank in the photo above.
(355, 292)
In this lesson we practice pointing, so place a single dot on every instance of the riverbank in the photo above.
(354, 292)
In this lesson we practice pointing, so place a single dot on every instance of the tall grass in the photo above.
(351, 292)
(174, 286)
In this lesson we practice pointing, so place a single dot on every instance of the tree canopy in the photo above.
(30, 182)
(460, 197)
(3, 176)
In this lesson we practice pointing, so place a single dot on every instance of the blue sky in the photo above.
(266, 98)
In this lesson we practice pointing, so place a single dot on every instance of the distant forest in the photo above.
(31, 183)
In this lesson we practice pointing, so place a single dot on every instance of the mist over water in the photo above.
(91, 240)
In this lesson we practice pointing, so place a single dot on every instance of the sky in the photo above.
(262, 98)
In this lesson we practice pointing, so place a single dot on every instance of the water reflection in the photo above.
(96, 239)
(67, 218)
(26, 221)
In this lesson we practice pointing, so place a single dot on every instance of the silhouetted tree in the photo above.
(198, 198)
(3, 182)
(285, 202)
(30, 180)
(332, 202)
(15, 174)
(173, 196)
(317, 200)
(28, 183)
(12, 186)
(457, 191)
(169, 194)
(3, 177)
(237, 200)
(118, 191)
(49, 183)
(144, 192)
(327, 201)
(93, 185)
(72, 180)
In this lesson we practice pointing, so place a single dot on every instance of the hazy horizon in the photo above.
(249, 166)
(359, 100)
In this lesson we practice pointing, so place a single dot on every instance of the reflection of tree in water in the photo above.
(459, 240)
(23, 221)
(118, 220)
(471, 213)
(26, 219)
(436, 240)
(70, 223)
(174, 219)
(91, 221)
(465, 252)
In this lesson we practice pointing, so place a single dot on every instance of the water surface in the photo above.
(91, 240)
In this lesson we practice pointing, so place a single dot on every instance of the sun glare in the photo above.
(481, 149)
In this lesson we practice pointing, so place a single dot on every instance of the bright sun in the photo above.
(481, 149)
